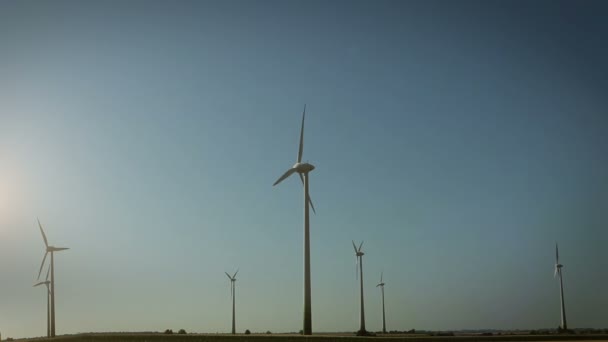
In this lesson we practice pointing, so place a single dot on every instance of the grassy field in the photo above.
(315, 338)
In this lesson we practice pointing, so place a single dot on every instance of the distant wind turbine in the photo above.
(47, 282)
(381, 285)
(52, 250)
(303, 169)
(558, 271)
(359, 255)
(232, 294)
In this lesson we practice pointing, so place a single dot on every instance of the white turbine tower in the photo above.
(381, 285)
(52, 250)
(303, 169)
(47, 282)
(232, 295)
(359, 255)
(558, 271)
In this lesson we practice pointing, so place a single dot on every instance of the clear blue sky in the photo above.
(459, 139)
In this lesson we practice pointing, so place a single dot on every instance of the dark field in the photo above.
(315, 338)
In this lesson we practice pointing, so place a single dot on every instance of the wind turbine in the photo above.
(558, 271)
(232, 294)
(52, 250)
(381, 285)
(359, 256)
(303, 169)
(48, 302)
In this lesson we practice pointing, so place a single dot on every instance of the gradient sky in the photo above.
(459, 139)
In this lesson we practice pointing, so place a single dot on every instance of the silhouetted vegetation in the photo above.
(411, 331)
(268, 332)
(247, 332)
(564, 331)
(182, 331)
(364, 333)
(539, 332)
(168, 331)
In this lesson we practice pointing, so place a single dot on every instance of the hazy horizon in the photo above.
(459, 139)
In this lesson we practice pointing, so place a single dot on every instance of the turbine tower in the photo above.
(558, 271)
(381, 285)
(303, 169)
(48, 301)
(359, 255)
(232, 294)
(52, 250)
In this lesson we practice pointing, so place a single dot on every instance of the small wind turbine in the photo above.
(47, 282)
(303, 169)
(52, 250)
(381, 285)
(232, 294)
(558, 271)
(359, 255)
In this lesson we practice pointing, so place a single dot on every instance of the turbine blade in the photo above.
(556, 254)
(228, 275)
(360, 246)
(234, 276)
(57, 249)
(311, 205)
(381, 273)
(42, 264)
(285, 175)
(555, 273)
(378, 285)
(354, 246)
(46, 243)
(40, 283)
(47, 272)
(301, 137)
(308, 198)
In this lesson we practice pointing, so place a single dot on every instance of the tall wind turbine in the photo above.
(558, 271)
(359, 256)
(381, 285)
(303, 169)
(47, 282)
(232, 294)
(52, 250)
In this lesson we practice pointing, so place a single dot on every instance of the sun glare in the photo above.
(10, 195)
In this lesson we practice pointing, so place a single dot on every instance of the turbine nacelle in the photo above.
(381, 284)
(558, 270)
(303, 167)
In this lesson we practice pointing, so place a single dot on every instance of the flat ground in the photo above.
(133, 337)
